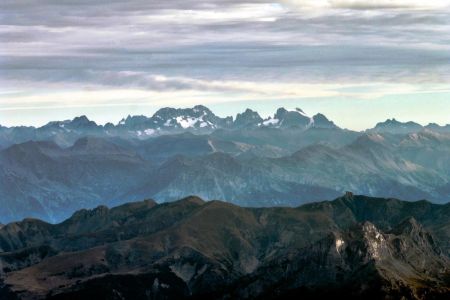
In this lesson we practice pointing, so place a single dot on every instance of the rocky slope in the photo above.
(361, 247)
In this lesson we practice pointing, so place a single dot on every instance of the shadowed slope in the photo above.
(214, 249)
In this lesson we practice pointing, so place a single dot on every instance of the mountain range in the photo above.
(285, 160)
(353, 247)
(199, 120)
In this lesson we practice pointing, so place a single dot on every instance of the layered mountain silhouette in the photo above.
(199, 120)
(286, 160)
(353, 247)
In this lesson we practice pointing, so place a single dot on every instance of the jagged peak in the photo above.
(409, 225)
(321, 121)
(202, 108)
(248, 110)
(100, 210)
(394, 121)
(281, 110)
(248, 118)
(81, 119)
(395, 126)
(295, 118)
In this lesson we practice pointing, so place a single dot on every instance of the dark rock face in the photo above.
(351, 247)
(247, 119)
(320, 121)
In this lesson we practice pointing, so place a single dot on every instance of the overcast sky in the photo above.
(357, 61)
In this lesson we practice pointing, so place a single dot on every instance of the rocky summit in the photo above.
(353, 247)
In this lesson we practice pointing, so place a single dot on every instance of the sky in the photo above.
(357, 61)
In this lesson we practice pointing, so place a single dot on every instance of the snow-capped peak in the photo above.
(293, 118)
(300, 111)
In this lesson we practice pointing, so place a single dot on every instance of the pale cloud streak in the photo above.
(370, 4)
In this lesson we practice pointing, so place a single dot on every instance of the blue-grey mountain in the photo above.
(287, 159)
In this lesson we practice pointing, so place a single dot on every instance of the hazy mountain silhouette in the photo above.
(287, 159)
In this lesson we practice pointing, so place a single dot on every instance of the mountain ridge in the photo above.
(193, 118)
(263, 167)
(198, 120)
(216, 249)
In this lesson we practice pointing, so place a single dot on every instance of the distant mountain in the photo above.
(263, 166)
(41, 179)
(362, 247)
(289, 119)
(288, 159)
(372, 164)
(396, 127)
(437, 128)
(320, 121)
(197, 120)
(247, 119)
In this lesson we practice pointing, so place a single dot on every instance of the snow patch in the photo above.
(270, 122)
(213, 148)
(299, 111)
(187, 122)
(339, 244)
(375, 240)
(149, 131)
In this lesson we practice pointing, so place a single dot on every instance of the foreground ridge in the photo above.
(360, 246)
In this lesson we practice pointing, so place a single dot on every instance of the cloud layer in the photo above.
(224, 48)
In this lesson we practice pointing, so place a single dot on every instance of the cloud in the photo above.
(370, 4)
(382, 4)
(251, 49)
